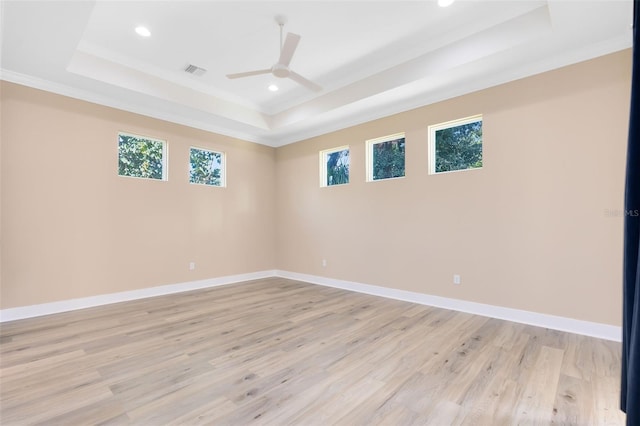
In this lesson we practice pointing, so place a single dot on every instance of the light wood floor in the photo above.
(277, 352)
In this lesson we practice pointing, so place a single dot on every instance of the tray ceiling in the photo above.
(372, 58)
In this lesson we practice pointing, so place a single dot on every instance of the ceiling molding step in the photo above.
(113, 102)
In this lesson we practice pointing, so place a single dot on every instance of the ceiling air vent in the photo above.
(192, 69)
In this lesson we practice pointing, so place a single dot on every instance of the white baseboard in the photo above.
(105, 299)
(587, 328)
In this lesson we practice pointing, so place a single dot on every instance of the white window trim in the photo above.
(369, 155)
(223, 167)
(446, 125)
(323, 165)
(165, 157)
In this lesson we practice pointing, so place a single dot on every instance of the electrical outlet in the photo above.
(324, 263)
(456, 279)
(192, 266)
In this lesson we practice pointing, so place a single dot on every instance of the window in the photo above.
(141, 157)
(456, 145)
(334, 166)
(385, 157)
(206, 167)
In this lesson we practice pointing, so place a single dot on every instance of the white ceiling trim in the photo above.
(440, 61)
(138, 81)
(432, 63)
(108, 101)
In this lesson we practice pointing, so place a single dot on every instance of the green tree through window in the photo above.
(458, 147)
(388, 159)
(205, 167)
(140, 157)
(337, 167)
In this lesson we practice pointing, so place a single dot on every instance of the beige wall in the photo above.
(528, 231)
(71, 227)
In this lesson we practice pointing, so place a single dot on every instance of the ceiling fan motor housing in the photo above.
(280, 70)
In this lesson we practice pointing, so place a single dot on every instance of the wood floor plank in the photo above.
(109, 412)
(32, 410)
(569, 408)
(493, 390)
(444, 413)
(282, 352)
(536, 404)
(606, 401)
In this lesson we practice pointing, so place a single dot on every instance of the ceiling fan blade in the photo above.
(249, 73)
(303, 81)
(289, 48)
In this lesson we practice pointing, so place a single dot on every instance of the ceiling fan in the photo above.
(281, 68)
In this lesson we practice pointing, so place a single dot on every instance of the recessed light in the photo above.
(143, 31)
(445, 3)
(273, 87)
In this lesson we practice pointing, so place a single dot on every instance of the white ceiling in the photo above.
(373, 58)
